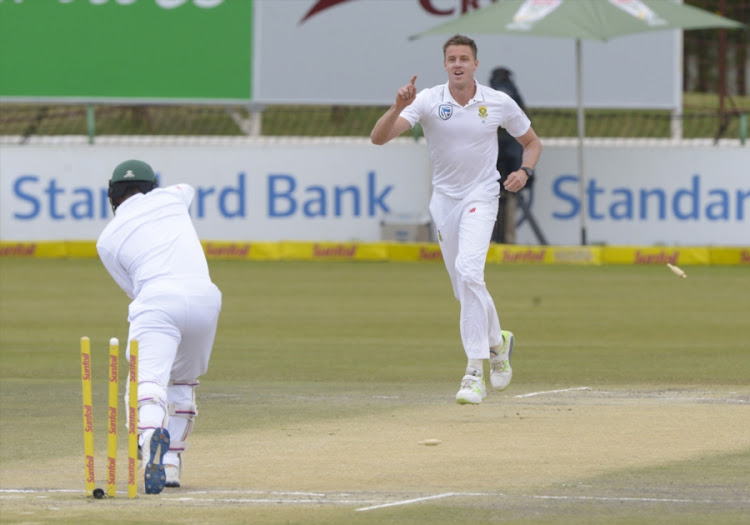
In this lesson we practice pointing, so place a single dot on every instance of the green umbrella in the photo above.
(581, 20)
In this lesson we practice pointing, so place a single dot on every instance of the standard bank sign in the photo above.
(264, 192)
(342, 192)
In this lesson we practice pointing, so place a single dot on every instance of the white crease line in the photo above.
(619, 498)
(697, 399)
(272, 500)
(37, 491)
(408, 501)
(316, 498)
(553, 391)
(275, 492)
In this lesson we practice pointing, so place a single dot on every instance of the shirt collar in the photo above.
(478, 95)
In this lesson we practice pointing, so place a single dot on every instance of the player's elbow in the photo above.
(539, 146)
(377, 140)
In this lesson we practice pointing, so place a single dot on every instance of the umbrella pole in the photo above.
(581, 135)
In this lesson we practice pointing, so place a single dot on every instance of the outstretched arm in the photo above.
(391, 125)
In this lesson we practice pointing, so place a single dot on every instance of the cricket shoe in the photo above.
(500, 371)
(155, 445)
(173, 471)
(472, 390)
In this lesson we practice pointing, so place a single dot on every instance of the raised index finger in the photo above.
(413, 80)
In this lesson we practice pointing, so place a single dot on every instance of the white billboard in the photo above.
(341, 191)
(635, 195)
(281, 191)
(359, 52)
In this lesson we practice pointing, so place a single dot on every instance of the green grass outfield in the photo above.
(301, 344)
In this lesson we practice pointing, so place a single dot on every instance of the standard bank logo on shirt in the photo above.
(445, 111)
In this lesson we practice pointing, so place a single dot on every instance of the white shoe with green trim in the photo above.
(472, 390)
(500, 371)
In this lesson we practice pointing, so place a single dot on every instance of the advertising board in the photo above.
(345, 191)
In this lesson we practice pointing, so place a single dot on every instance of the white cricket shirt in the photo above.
(463, 139)
(152, 243)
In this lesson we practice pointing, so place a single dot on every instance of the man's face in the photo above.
(460, 65)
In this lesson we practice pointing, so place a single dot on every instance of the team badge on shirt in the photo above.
(445, 111)
(483, 111)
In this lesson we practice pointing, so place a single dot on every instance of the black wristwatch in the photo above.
(529, 171)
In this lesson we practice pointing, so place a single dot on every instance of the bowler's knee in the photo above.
(469, 275)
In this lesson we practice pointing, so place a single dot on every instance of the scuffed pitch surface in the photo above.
(524, 453)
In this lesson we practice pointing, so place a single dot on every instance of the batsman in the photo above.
(152, 251)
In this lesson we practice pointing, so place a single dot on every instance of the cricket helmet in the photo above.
(131, 176)
(132, 170)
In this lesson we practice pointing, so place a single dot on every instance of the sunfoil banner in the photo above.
(342, 191)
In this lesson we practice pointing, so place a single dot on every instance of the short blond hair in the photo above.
(460, 40)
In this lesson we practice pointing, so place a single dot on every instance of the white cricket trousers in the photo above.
(175, 325)
(464, 233)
